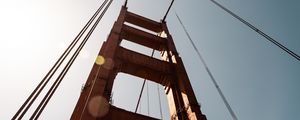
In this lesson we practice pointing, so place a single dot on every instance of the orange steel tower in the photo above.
(169, 72)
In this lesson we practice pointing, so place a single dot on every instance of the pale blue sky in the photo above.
(259, 80)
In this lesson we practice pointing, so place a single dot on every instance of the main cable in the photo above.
(63, 73)
(208, 71)
(258, 31)
(54, 68)
(53, 88)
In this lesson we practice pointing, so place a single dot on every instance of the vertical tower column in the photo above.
(93, 103)
(187, 99)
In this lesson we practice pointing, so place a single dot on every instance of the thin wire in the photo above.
(140, 108)
(140, 96)
(53, 88)
(142, 89)
(93, 84)
(259, 31)
(125, 4)
(168, 11)
(208, 71)
(148, 97)
(159, 100)
(53, 69)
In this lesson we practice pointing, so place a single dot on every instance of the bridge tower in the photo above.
(169, 71)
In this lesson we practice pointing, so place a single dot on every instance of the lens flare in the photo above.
(98, 106)
(100, 60)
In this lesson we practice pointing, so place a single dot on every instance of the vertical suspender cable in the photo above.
(125, 4)
(168, 11)
(208, 71)
(53, 88)
(54, 68)
(140, 108)
(142, 89)
(159, 101)
(258, 31)
(148, 98)
(137, 105)
(90, 92)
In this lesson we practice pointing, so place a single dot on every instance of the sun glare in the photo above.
(100, 60)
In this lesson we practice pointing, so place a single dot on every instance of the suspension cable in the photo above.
(125, 4)
(53, 88)
(208, 71)
(168, 11)
(159, 101)
(54, 68)
(140, 108)
(258, 31)
(90, 92)
(142, 89)
(147, 83)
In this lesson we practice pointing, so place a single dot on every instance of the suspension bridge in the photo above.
(287, 55)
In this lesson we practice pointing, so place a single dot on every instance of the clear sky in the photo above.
(260, 81)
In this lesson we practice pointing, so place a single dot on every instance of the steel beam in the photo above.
(143, 22)
(143, 38)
